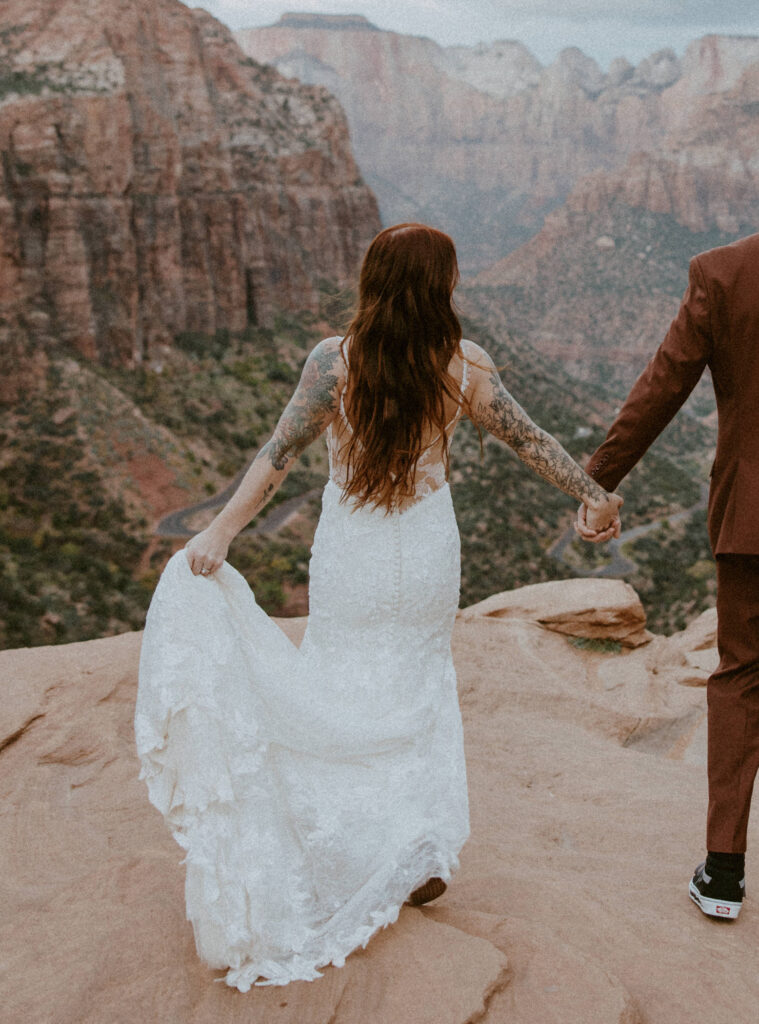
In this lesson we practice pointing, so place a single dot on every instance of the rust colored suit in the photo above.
(717, 326)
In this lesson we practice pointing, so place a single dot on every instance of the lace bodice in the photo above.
(430, 469)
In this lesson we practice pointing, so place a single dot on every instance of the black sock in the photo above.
(725, 862)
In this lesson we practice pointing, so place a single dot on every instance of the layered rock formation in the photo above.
(155, 180)
(588, 793)
(598, 285)
(483, 141)
(704, 172)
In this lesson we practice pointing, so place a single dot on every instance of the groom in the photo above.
(717, 326)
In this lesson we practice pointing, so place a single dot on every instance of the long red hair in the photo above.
(402, 339)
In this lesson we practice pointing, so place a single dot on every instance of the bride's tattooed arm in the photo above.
(494, 409)
(310, 410)
(306, 416)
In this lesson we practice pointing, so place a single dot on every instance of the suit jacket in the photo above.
(717, 326)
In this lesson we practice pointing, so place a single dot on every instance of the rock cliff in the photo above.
(483, 141)
(154, 180)
(587, 781)
(599, 284)
(704, 174)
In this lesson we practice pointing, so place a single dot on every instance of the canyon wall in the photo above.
(155, 180)
(598, 285)
(483, 141)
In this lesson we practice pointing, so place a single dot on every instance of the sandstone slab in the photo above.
(574, 784)
(539, 966)
(93, 886)
(594, 609)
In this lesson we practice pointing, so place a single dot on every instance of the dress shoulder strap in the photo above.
(465, 372)
(462, 388)
(341, 407)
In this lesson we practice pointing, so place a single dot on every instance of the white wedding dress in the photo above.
(312, 788)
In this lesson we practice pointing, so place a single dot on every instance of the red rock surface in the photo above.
(588, 608)
(588, 792)
(155, 180)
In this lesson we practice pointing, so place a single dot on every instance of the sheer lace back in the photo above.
(430, 469)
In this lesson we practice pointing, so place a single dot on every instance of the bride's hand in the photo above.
(599, 524)
(206, 551)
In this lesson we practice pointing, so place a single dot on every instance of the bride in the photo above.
(316, 789)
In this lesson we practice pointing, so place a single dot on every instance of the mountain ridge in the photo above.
(484, 142)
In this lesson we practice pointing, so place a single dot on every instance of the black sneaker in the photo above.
(719, 894)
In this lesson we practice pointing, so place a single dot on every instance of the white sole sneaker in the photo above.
(723, 909)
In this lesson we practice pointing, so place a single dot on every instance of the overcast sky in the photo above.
(604, 29)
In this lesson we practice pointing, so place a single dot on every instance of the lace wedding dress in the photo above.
(312, 788)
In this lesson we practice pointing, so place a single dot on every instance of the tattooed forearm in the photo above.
(265, 495)
(275, 452)
(504, 417)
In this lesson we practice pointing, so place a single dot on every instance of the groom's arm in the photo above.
(661, 389)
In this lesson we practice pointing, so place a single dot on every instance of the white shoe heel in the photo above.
(714, 908)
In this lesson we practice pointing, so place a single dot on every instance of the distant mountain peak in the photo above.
(339, 22)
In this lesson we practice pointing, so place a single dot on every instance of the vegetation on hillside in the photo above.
(592, 301)
(78, 554)
(68, 547)
(676, 575)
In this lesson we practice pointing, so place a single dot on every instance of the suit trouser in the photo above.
(733, 701)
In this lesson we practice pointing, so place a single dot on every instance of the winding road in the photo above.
(174, 525)
(620, 565)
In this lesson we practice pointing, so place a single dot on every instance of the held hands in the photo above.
(600, 523)
(206, 551)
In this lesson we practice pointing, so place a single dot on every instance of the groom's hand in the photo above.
(594, 529)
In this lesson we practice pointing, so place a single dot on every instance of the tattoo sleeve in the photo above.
(498, 413)
(309, 410)
(307, 414)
